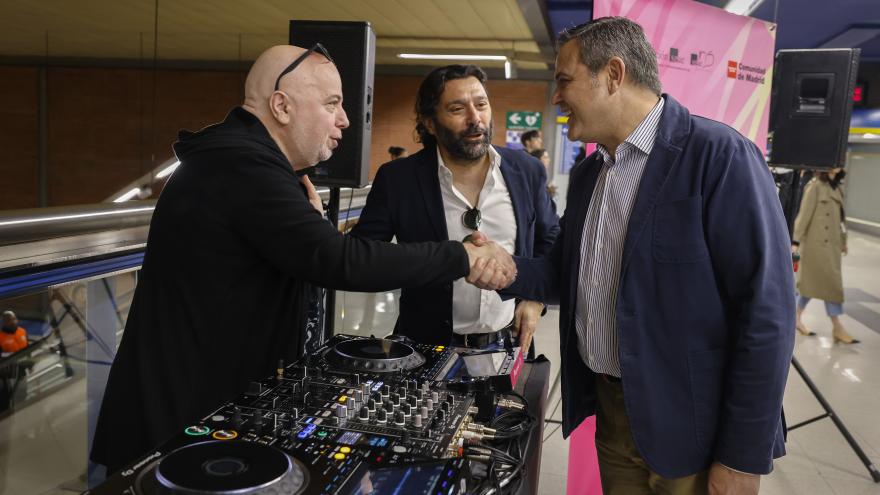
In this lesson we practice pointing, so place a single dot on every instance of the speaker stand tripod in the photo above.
(790, 208)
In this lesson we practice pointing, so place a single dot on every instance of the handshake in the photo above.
(492, 268)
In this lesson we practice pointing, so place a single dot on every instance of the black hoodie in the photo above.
(233, 245)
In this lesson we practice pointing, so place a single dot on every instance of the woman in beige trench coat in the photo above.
(820, 239)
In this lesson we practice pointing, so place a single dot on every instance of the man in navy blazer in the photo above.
(459, 183)
(674, 226)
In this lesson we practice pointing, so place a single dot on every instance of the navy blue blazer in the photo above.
(405, 201)
(705, 306)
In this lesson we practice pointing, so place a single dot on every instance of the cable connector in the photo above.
(471, 436)
(481, 429)
(509, 404)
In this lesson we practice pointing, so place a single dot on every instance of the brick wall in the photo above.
(101, 134)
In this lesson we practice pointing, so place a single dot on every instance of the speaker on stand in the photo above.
(810, 111)
(352, 45)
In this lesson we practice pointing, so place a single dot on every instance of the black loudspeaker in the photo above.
(352, 45)
(811, 107)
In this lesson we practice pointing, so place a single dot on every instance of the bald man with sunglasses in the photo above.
(239, 227)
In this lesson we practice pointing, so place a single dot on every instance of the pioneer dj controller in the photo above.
(361, 414)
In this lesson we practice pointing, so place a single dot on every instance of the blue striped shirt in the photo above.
(602, 244)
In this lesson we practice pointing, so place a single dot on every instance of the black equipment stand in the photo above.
(790, 206)
(330, 302)
(829, 413)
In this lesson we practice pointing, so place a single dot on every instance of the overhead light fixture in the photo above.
(432, 56)
(507, 70)
(165, 172)
(128, 195)
(743, 7)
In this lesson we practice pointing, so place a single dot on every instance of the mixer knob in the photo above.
(381, 416)
(424, 387)
(358, 395)
(236, 417)
(420, 394)
(407, 410)
(294, 413)
(355, 379)
(276, 424)
(388, 405)
(435, 397)
(445, 407)
(440, 416)
(395, 399)
(386, 390)
(371, 404)
(430, 404)
(341, 411)
(413, 400)
(364, 413)
(417, 421)
(424, 412)
(257, 420)
(399, 418)
(450, 399)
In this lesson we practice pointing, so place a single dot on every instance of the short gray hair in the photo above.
(606, 37)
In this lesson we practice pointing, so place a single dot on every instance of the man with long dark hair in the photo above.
(456, 185)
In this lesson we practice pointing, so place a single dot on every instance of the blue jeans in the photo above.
(832, 309)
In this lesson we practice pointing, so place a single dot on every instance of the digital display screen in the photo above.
(401, 480)
(488, 364)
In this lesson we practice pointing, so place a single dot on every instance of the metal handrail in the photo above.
(35, 224)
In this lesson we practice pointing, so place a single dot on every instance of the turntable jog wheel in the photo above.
(226, 467)
(376, 355)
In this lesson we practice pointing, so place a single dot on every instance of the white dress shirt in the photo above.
(475, 310)
(602, 244)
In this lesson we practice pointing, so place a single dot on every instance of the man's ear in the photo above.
(429, 125)
(616, 74)
(280, 107)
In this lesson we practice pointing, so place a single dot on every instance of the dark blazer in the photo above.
(405, 201)
(705, 306)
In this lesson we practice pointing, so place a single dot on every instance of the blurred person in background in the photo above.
(820, 239)
(397, 152)
(543, 155)
(13, 338)
(531, 140)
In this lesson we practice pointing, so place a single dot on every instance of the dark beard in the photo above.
(458, 148)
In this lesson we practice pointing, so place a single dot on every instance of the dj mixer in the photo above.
(361, 416)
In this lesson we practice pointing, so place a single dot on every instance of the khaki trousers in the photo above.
(621, 467)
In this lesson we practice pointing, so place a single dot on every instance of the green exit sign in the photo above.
(523, 120)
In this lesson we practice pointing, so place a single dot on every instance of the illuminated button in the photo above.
(322, 434)
(345, 450)
(343, 398)
(339, 456)
(225, 434)
(197, 430)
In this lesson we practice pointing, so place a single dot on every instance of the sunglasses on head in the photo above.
(316, 48)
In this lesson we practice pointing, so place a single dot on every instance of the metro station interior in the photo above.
(93, 97)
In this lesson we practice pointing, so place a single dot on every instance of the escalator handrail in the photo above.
(36, 224)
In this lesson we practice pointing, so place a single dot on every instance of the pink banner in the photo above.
(717, 64)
